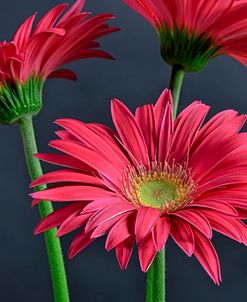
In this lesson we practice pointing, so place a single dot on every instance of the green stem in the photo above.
(176, 83)
(155, 291)
(156, 279)
(53, 246)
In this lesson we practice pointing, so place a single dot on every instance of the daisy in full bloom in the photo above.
(37, 53)
(194, 31)
(150, 179)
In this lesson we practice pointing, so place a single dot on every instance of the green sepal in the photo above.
(189, 51)
(18, 100)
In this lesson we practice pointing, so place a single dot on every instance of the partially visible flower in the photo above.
(152, 178)
(192, 32)
(35, 55)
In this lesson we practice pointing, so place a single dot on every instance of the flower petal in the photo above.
(145, 221)
(161, 232)
(124, 251)
(146, 252)
(182, 234)
(79, 243)
(129, 131)
(207, 256)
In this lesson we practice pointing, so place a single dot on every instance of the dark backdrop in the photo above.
(138, 75)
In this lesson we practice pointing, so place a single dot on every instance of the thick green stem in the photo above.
(176, 83)
(155, 291)
(53, 246)
(156, 279)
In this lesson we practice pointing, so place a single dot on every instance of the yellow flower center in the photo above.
(163, 187)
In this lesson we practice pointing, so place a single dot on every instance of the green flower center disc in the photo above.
(157, 193)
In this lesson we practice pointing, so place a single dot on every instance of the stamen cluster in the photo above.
(168, 187)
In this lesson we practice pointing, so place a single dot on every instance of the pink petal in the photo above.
(129, 131)
(95, 139)
(146, 252)
(215, 205)
(165, 136)
(79, 243)
(145, 221)
(196, 219)
(58, 217)
(182, 234)
(93, 158)
(105, 226)
(63, 74)
(207, 256)
(49, 19)
(22, 35)
(72, 193)
(146, 121)
(102, 203)
(163, 105)
(124, 251)
(72, 223)
(64, 160)
(108, 213)
(161, 232)
(223, 225)
(66, 176)
(187, 125)
(118, 233)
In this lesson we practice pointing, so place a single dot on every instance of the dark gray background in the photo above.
(137, 76)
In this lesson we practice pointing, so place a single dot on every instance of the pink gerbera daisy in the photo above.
(35, 54)
(194, 31)
(151, 178)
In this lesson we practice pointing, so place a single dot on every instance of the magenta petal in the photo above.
(65, 161)
(124, 251)
(161, 232)
(215, 205)
(146, 121)
(146, 252)
(118, 233)
(108, 213)
(79, 243)
(63, 74)
(145, 221)
(162, 106)
(129, 131)
(223, 225)
(66, 176)
(196, 219)
(58, 217)
(183, 236)
(207, 256)
(72, 193)
(105, 226)
(72, 223)
(96, 139)
(165, 135)
(91, 157)
(187, 125)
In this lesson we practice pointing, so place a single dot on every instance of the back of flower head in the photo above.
(193, 32)
(36, 54)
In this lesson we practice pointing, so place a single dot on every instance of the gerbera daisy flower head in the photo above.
(36, 54)
(150, 179)
(192, 32)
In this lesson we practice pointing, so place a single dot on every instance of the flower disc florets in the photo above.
(163, 186)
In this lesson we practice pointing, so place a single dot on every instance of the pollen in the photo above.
(163, 186)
